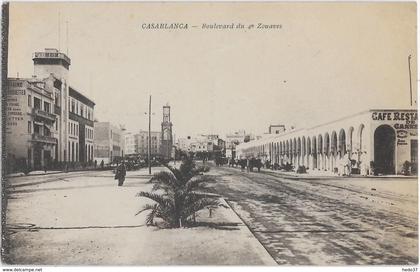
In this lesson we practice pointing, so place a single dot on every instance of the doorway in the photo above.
(384, 140)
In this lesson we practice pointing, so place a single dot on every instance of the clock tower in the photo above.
(166, 134)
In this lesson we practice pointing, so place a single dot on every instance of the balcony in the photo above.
(44, 139)
(43, 114)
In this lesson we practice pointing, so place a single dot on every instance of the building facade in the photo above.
(130, 146)
(379, 138)
(39, 117)
(80, 127)
(31, 134)
(109, 144)
(142, 143)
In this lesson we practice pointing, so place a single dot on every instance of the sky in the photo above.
(327, 60)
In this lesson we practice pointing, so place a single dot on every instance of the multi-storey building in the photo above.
(40, 125)
(30, 123)
(130, 145)
(142, 142)
(80, 127)
(108, 143)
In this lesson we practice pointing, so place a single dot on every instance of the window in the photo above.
(57, 99)
(72, 106)
(29, 127)
(37, 103)
(29, 100)
(46, 106)
(36, 129)
(82, 111)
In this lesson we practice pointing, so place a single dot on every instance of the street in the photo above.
(84, 218)
(353, 221)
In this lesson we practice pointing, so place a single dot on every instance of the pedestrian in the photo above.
(348, 165)
(364, 165)
(120, 174)
(96, 164)
(102, 164)
(248, 165)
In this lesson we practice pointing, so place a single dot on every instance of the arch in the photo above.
(342, 142)
(320, 156)
(314, 153)
(384, 149)
(319, 144)
(334, 142)
(326, 143)
(308, 152)
(308, 146)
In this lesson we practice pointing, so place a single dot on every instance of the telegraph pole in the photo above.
(409, 73)
(150, 138)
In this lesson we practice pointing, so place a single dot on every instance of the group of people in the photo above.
(249, 164)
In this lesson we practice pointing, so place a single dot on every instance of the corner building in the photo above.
(39, 123)
(386, 137)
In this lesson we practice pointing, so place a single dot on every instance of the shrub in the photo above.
(180, 198)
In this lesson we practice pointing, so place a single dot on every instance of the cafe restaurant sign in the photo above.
(404, 120)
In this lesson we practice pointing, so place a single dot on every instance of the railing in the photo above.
(44, 139)
(54, 55)
(43, 114)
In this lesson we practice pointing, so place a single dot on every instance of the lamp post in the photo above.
(409, 73)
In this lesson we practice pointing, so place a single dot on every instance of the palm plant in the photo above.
(181, 195)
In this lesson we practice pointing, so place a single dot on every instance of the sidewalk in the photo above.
(88, 220)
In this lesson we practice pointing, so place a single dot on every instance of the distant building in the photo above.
(142, 143)
(276, 129)
(130, 145)
(232, 140)
(108, 142)
(166, 135)
(202, 143)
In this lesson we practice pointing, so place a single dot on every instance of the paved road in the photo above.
(302, 222)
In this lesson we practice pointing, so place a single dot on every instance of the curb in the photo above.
(267, 261)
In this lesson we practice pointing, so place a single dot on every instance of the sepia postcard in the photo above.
(209, 133)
